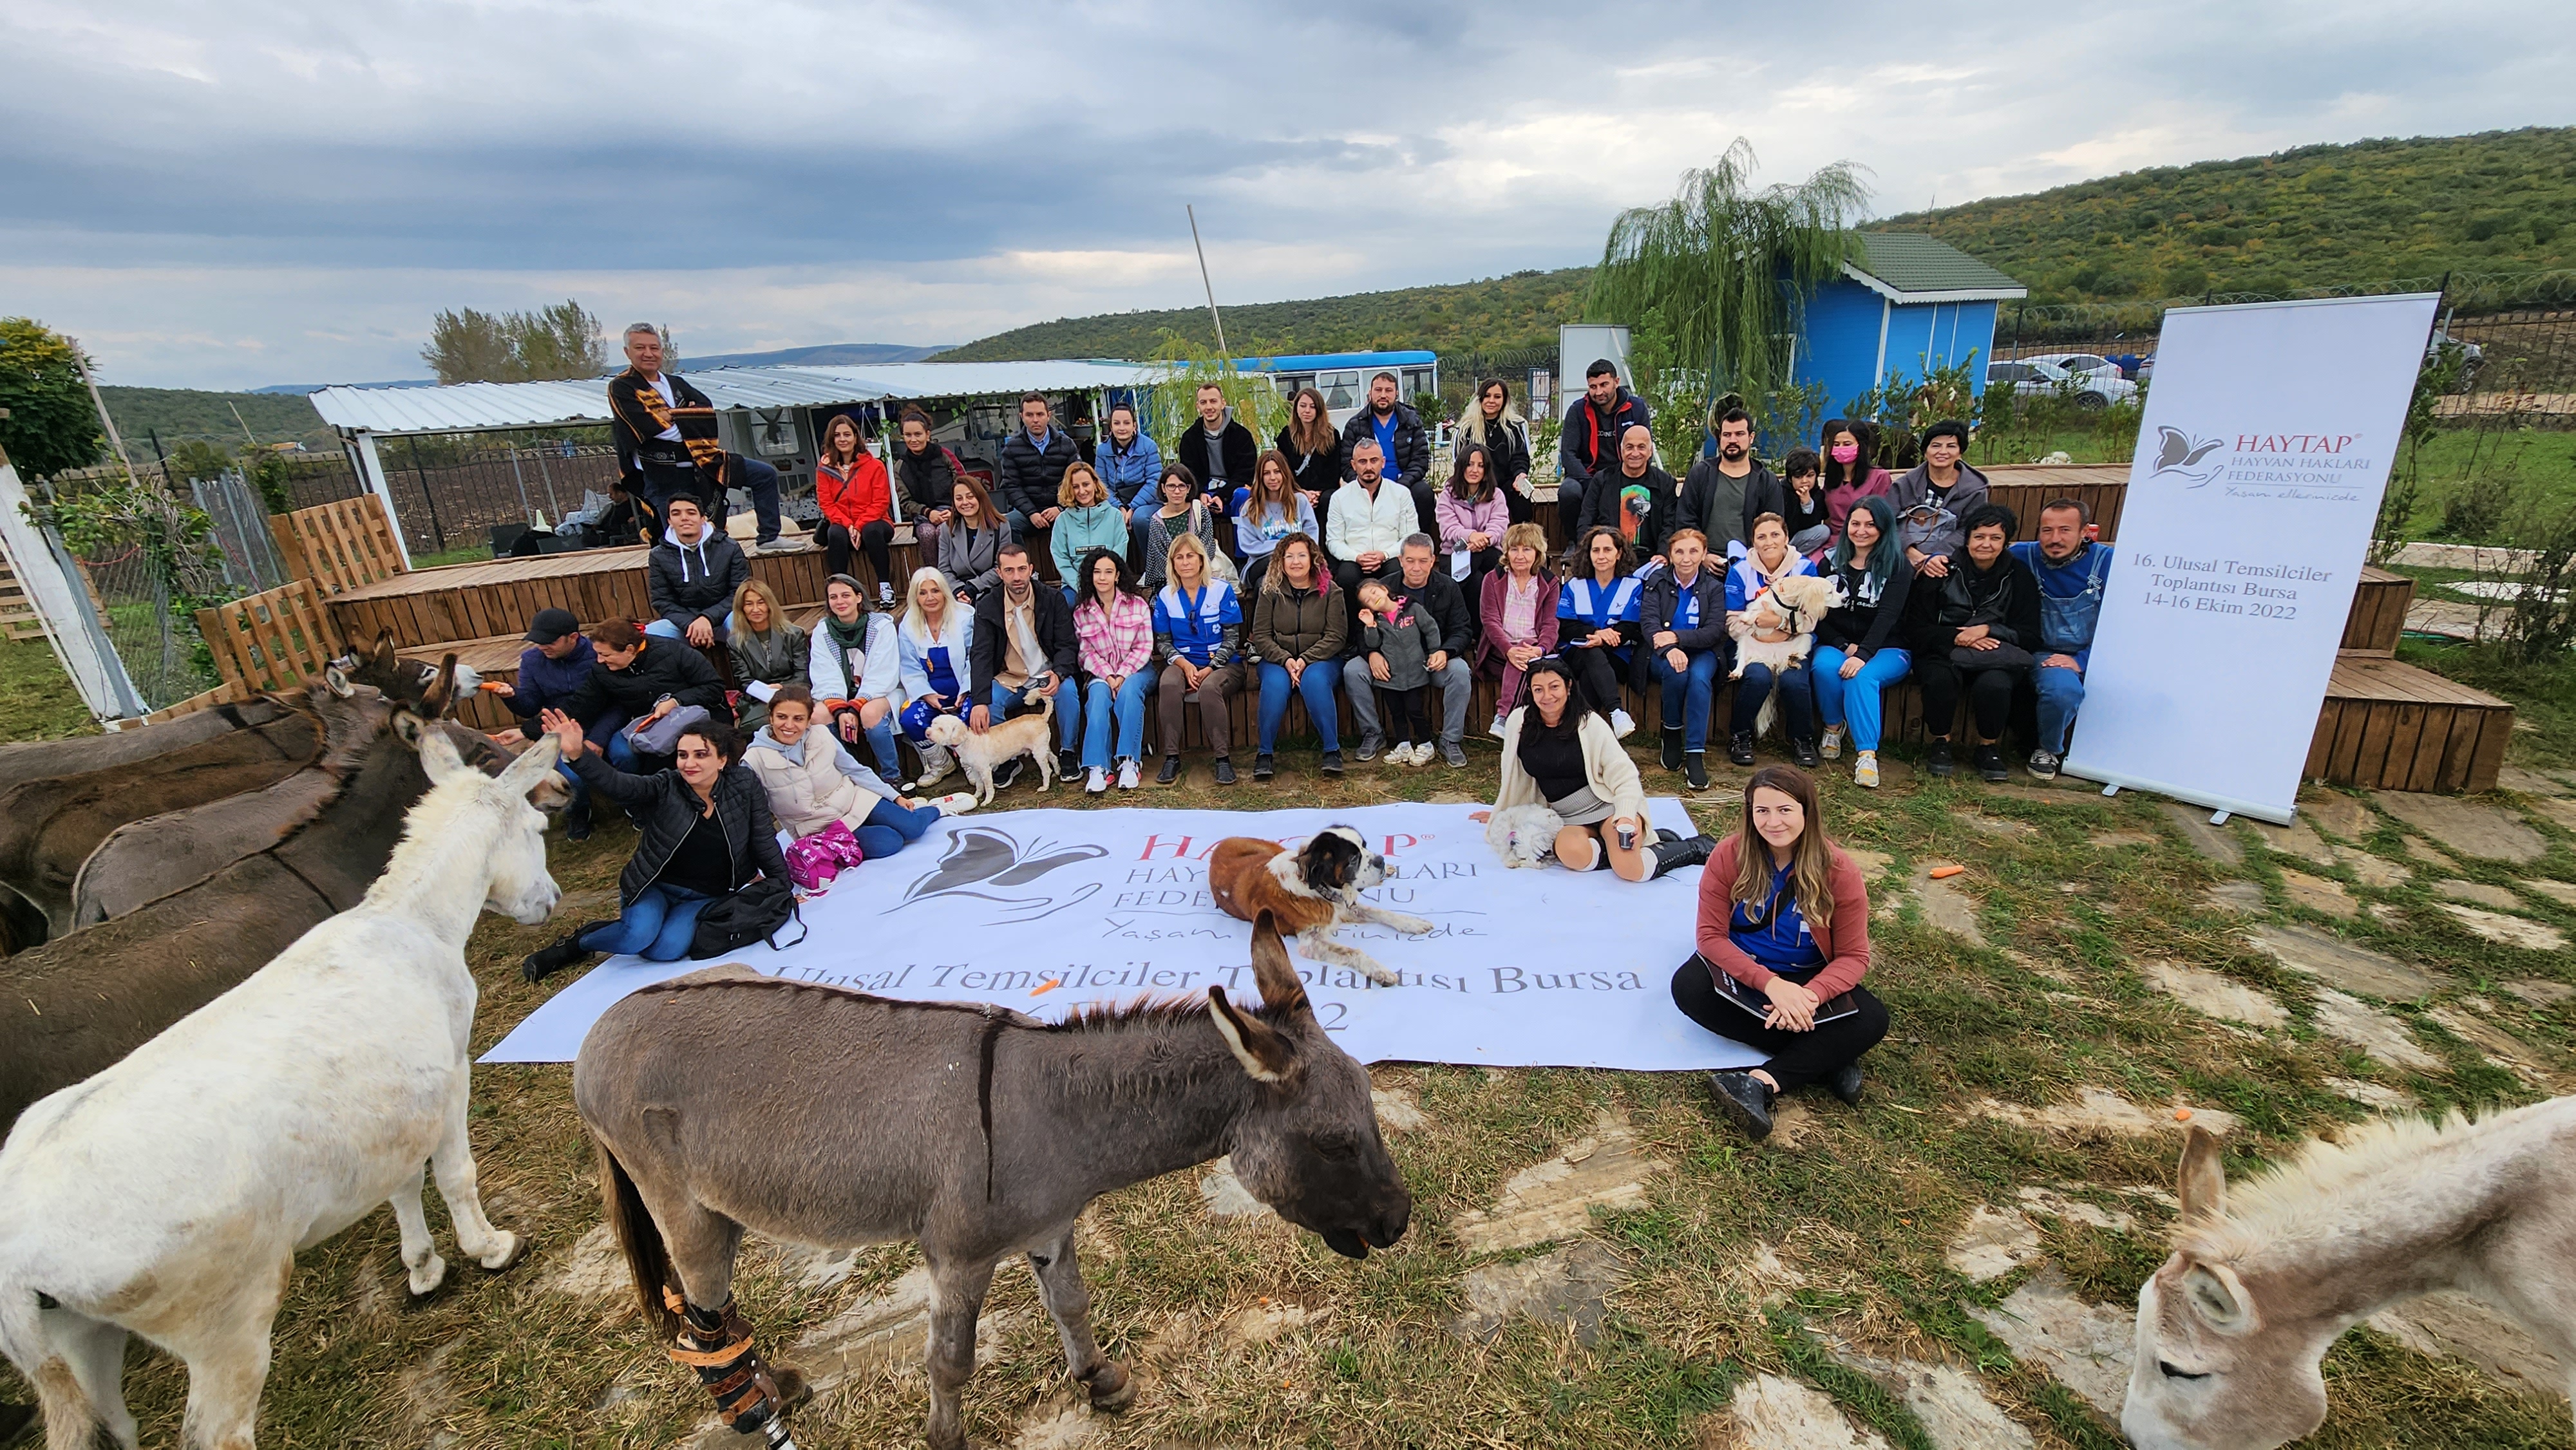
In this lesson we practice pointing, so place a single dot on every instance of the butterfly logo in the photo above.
(985, 863)
(2180, 454)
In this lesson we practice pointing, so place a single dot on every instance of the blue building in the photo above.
(1917, 303)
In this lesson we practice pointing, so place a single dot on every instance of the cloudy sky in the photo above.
(269, 192)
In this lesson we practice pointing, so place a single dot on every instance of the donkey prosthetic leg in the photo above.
(717, 1344)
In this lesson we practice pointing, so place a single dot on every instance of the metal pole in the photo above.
(437, 534)
(80, 360)
(1221, 351)
(520, 479)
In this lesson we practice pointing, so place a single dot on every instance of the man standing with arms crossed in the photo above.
(1591, 440)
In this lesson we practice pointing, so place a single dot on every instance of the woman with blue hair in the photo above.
(1856, 655)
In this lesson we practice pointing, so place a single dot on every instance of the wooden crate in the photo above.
(274, 640)
(2390, 726)
(339, 546)
(2379, 605)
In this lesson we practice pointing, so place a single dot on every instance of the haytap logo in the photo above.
(990, 865)
(2179, 454)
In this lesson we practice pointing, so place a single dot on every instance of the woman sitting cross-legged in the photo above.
(1559, 752)
(933, 643)
(1596, 623)
(1784, 915)
(1517, 605)
(1748, 583)
(1114, 628)
(705, 831)
(813, 782)
(1198, 635)
(1860, 643)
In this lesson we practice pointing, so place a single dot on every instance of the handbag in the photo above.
(735, 920)
(2001, 657)
(813, 861)
(662, 736)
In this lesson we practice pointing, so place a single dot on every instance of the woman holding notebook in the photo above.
(1783, 942)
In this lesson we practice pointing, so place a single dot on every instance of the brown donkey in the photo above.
(717, 1102)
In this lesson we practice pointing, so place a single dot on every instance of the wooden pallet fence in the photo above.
(270, 641)
(339, 546)
(230, 692)
(2379, 605)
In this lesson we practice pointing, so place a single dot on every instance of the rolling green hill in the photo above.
(1505, 313)
(2313, 216)
(185, 413)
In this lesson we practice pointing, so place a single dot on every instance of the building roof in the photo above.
(474, 407)
(1308, 362)
(1912, 267)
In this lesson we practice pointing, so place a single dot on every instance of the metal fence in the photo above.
(251, 561)
(449, 498)
(158, 641)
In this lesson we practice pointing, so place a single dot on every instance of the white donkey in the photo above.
(2231, 1329)
(167, 1196)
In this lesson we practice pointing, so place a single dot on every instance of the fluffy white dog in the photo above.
(981, 755)
(1793, 604)
(1523, 835)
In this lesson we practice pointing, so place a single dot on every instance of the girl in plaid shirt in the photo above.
(1113, 627)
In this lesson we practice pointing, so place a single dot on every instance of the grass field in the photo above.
(37, 701)
(1734, 1262)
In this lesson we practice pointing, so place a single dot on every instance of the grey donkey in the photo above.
(975, 1130)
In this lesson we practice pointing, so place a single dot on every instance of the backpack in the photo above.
(736, 919)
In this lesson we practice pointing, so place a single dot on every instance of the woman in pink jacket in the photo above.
(1472, 512)
(1783, 943)
(1517, 607)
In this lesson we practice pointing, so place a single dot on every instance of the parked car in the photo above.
(2472, 357)
(2083, 364)
(2040, 378)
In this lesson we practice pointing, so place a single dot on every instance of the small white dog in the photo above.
(981, 755)
(1794, 604)
(1523, 835)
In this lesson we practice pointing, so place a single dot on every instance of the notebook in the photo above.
(1758, 1005)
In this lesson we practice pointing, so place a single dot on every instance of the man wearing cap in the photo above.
(558, 658)
(1933, 496)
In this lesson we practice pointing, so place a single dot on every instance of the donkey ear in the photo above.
(1263, 1052)
(440, 692)
(535, 766)
(384, 651)
(438, 757)
(336, 680)
(2218, 1297)
(1271, 972)
(2202, 1185)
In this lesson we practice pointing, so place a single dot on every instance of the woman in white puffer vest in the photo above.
(813, 782)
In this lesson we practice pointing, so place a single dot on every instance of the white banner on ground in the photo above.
(2266, 442)
(1045, 910)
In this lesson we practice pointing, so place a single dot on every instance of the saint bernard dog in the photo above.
(1311, 892)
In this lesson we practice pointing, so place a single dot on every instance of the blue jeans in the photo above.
(890, 828)
(2061, 694)
(880, 738)
(1321, 708)
(1855, 701)
(656, 925)
(1687, 694)
(1068, 710)
(760, 480)
(1756, 683)
(1128, 701)
(665, 629)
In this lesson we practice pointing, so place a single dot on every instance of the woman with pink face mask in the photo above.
(1850, 449)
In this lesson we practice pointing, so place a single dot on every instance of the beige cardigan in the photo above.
(808, 794)
(1606, 767)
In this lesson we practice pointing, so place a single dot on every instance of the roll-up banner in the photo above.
(2267, 439)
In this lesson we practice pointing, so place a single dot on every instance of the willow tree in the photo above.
(1714, 279)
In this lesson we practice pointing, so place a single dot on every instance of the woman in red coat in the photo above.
(1784, 920)
(857, 499)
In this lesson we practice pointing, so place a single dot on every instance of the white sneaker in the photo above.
(885, 594)
(1095, 780)
(1622, 724)
(1127, 775)
(1865, 770)
(1496, 729)
(1831, 747)
(957, 804)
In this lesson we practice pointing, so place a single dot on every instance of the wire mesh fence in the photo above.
(156, 640)
(450, 498)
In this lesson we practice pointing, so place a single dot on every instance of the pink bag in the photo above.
(812, 861)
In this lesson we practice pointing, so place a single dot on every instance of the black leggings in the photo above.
(876, 540)
(1596, 674)
(1797, 1058)
(1990, 696)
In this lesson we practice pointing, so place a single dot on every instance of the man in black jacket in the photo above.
(1725, 494)
(643, 679)
(1422, 581)
(705, 830)
(1398, 432)
(665, 434)
(1024, 648)
(1590, 443)
(1031, 471)
(691, 576)
(1218, 453)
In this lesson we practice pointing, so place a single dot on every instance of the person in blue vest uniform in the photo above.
(2071, 568)
(1597, 625)
(1198, 635)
